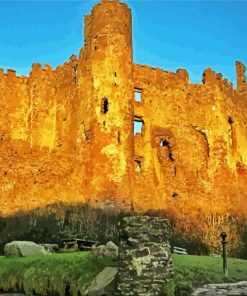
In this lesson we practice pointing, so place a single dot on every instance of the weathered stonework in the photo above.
(228, 289)
(144, 256)
(66, 134)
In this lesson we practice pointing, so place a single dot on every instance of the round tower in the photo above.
(108, 41)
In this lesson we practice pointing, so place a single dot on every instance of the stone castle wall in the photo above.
(67, 134)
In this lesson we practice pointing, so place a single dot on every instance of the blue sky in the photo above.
(166, 34)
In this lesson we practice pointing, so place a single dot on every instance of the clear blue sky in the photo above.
(167, 34)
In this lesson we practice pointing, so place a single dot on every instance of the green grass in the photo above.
(191, 272)
(51, 273)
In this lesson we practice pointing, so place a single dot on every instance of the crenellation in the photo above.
(11, 73)
(48, 68)
(210, 77)
(183, 74)
(73, 58)
(240, 73)
(36, 70)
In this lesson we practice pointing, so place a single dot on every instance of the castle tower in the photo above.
(108, 42)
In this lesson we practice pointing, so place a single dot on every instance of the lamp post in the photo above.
(224, 242)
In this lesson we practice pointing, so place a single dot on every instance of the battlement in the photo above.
(210, 77)
(108, 17)
(10, 74)
(240, 72)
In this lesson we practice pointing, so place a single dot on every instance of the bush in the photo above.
(192, 243)
(50, 224)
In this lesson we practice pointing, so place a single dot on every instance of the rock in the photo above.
(226, 289)
(50, 248)
(98, 251)
(108, 250)
(23, 249)
(104, 283)
(111, 250)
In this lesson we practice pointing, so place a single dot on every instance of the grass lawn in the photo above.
(191, 272)
(51, 273)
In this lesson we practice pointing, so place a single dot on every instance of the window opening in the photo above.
(138, 126)
(138, 95)
(115, 78)
(230, 131)
(119, 137)
(87, 135)
(105, 106)
(174, 195)
(230, 120)
(138, 165)
(165, 143)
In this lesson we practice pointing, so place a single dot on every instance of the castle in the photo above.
(103, 130)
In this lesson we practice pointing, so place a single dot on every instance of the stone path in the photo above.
(228, 289)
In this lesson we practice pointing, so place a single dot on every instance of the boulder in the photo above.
(111, 250)
(104, 284)
(98, 251)
(23, 249)
(108, 250)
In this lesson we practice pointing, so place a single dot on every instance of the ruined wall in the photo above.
(38, 139)
(145, 264)
(192, 147)
(67, 134)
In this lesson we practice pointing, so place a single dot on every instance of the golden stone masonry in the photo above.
(67, 135)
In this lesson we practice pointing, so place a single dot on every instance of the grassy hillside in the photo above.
(58, 272)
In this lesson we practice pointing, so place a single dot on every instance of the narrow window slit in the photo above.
(115, 78)
(175, 171)
(119, 137)
(105, 106)
(230, 130)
